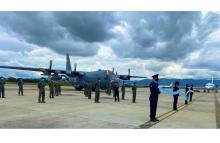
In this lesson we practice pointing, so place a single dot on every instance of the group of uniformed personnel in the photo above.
(2, 87)
(54, 89)
(115, 88)
(154, 94)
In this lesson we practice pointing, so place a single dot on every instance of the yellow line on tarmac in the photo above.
(163, 116)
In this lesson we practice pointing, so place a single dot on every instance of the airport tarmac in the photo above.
(73, 110)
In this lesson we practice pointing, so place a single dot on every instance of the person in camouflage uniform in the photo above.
(56, 85)
(20, 87)
(51, 87)
(97, 91)
(134, 91)
(123, 91)
(2, 87)
(41, 87)
(89, 90)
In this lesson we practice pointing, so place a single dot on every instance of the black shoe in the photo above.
(153, 120)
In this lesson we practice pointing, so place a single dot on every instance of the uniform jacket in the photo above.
(2, 83)
(175, 88)
(154, 90)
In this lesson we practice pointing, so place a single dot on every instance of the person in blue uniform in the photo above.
(154, 93)
(175, 96)
(187, 94)
(191, 93)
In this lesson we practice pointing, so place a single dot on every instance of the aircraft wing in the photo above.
(128, 77)
(138, 77)
(45, 71)
(24, 68)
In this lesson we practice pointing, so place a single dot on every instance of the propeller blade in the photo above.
(138, 77)
(50, 64)
(129, 72)
(75, 67)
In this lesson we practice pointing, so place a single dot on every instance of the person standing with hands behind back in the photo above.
(175, 96)
(154, 93)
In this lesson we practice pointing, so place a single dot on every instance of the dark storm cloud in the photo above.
(73, 32)
(147, 35)
(164, 35)
(89, 26)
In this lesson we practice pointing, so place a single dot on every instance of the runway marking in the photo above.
(164, 116)
(217, 111)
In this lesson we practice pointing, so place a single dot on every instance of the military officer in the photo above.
(51, 87)
(116, 92)
(134, 91)
(86, 89)
(154, 93)
(41, 86)
(97, 91)
(175, 96)
(56, 86)
(2, 87)
(20, 87)
(59, 88)
(187, 93)
(191, 93)
(89, 90)
(123, 91)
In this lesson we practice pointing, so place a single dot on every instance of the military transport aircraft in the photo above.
(78, 79)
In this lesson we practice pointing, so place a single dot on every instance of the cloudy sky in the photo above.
(173, 44)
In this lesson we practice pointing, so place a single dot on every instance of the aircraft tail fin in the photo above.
(68, 64)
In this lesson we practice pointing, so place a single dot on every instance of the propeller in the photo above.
(129, 72)
(50, 64)
(113, 69)
(75, 65)
(50, 67)
(128, 76)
